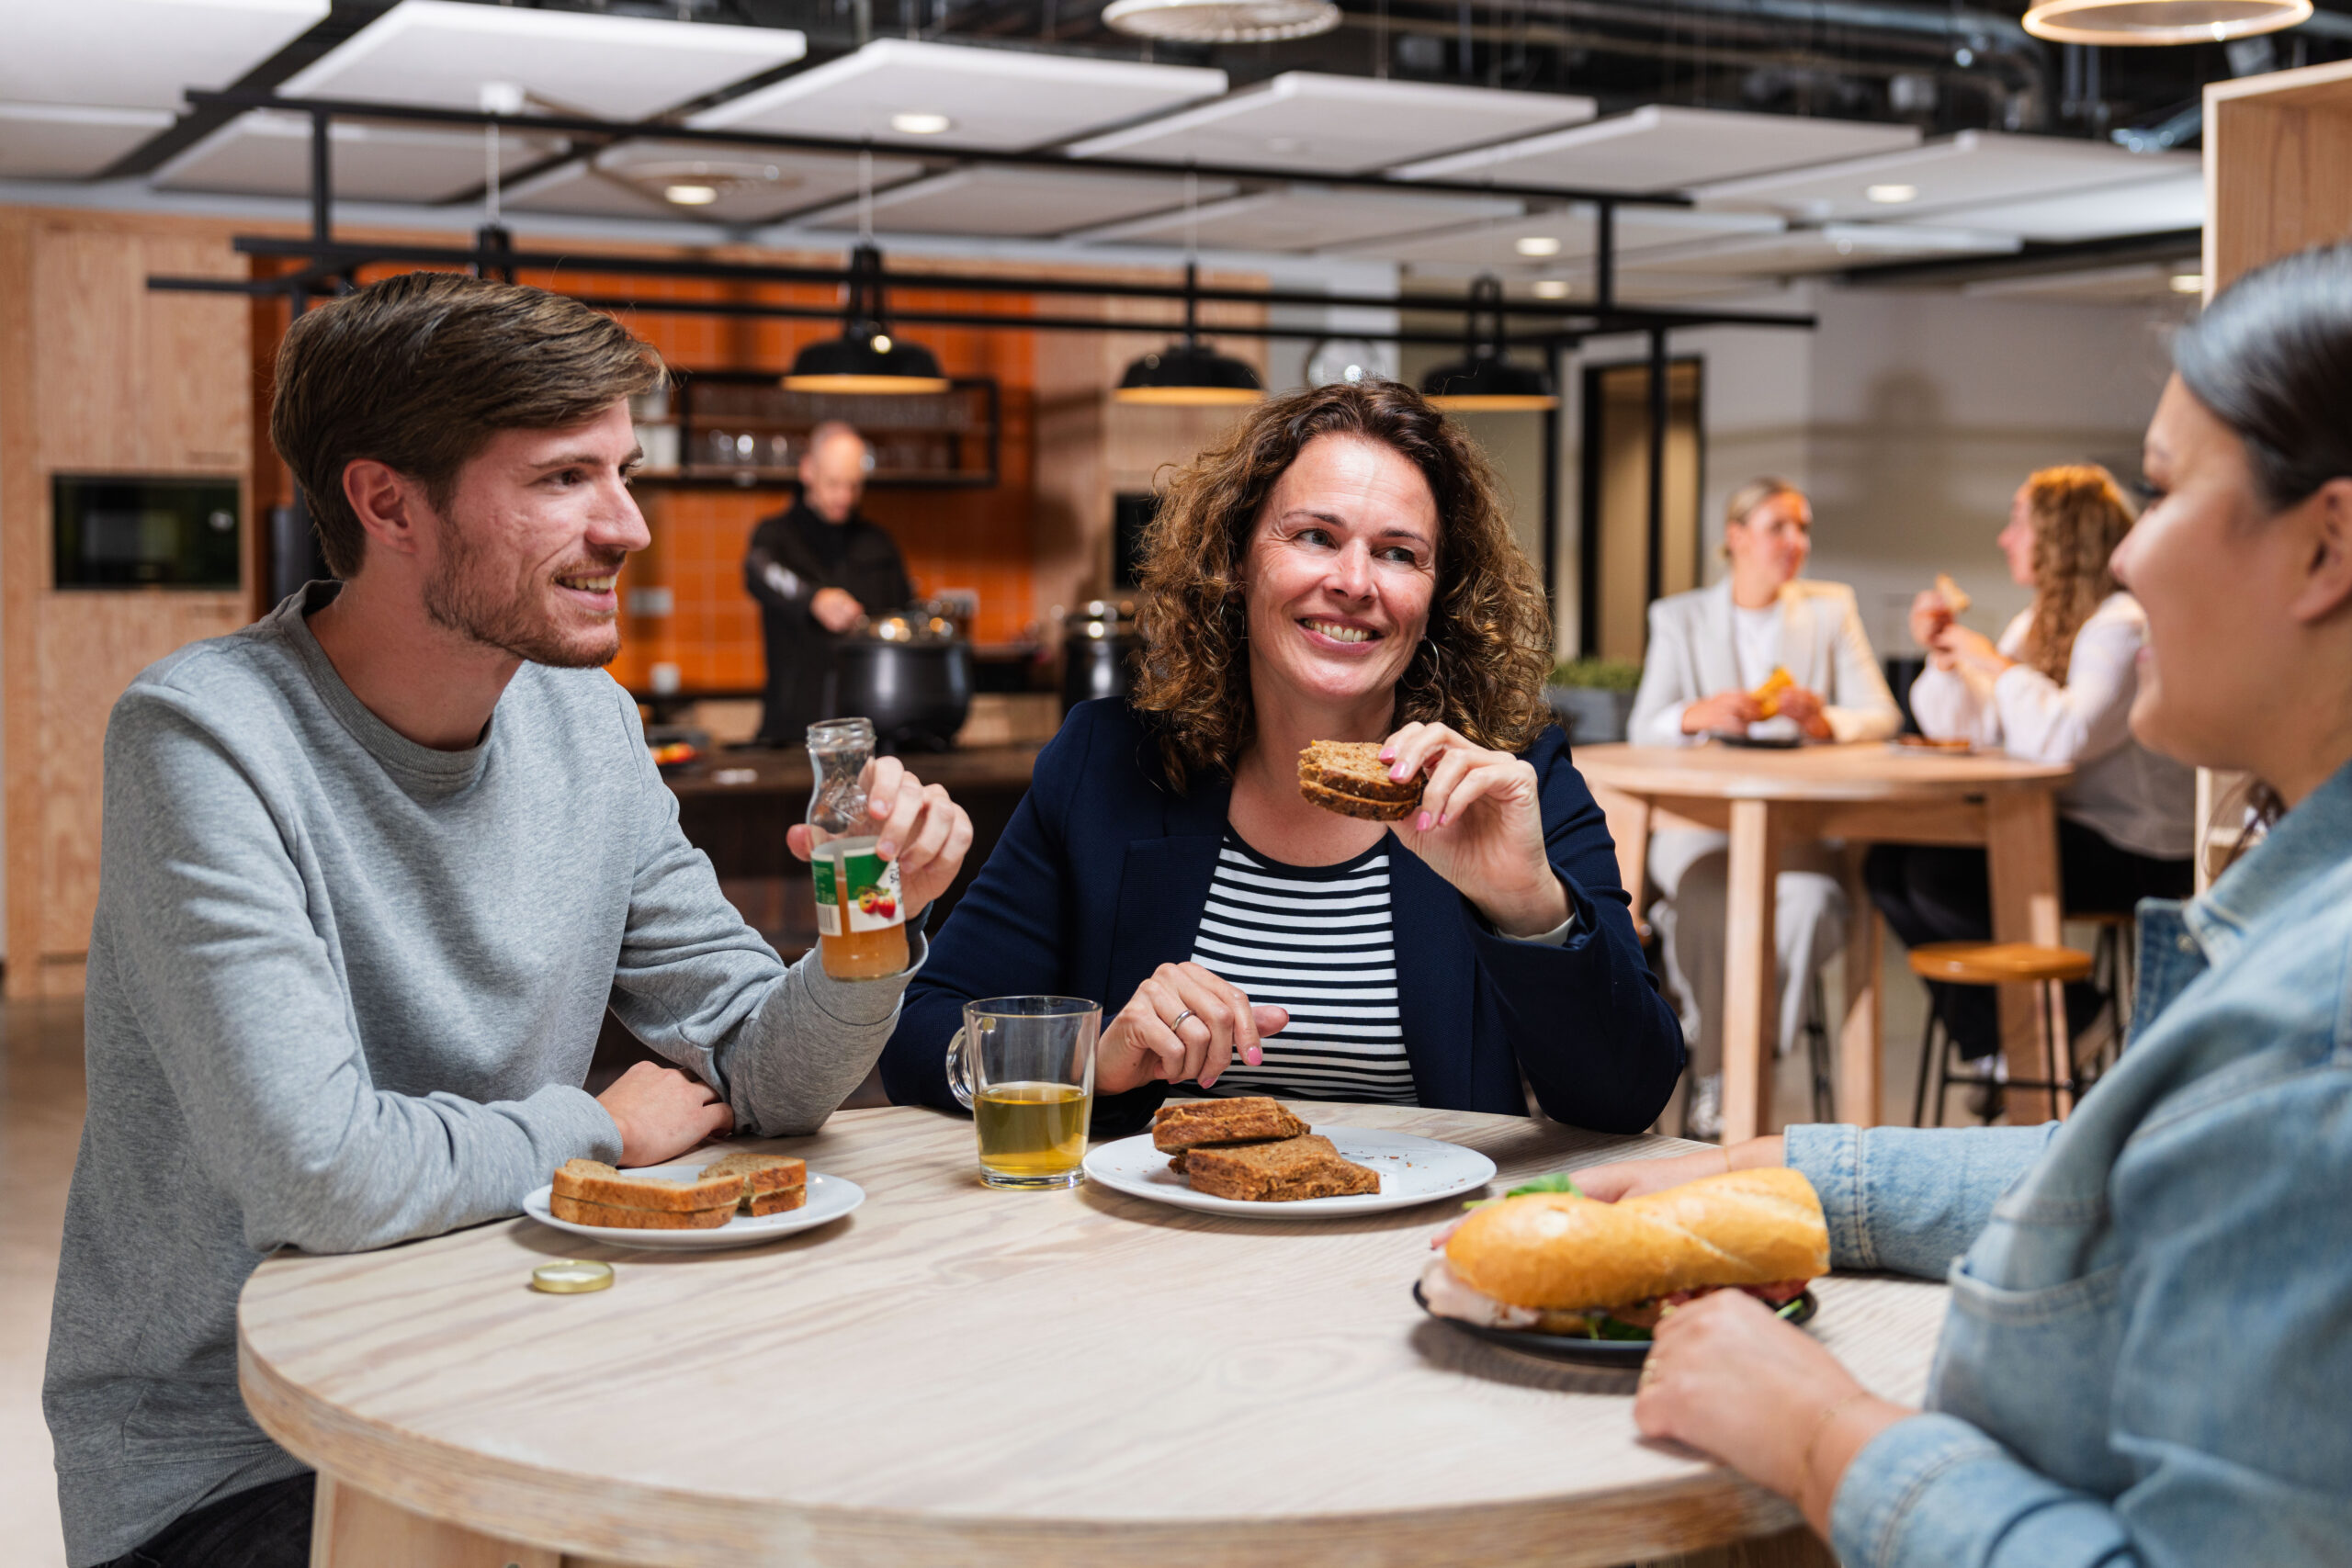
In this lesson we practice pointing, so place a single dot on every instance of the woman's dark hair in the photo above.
(2272, 359)
(1481, 662)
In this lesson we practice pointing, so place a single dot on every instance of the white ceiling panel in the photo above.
(1307, 217)
(991, 98)
(1346, 124)
(66, 141)
(2143, 207)
(749, 186)
(443, 53)
(1975, 168)
(2142, 283)
(1831, 248)
(268, 153)
(1659, 147)
(1564, 234)
(1017, 202)
(140, 53)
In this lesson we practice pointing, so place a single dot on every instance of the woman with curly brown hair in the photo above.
(1339, 568)
(2056, 688)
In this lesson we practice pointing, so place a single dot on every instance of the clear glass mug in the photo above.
(1024, 1068)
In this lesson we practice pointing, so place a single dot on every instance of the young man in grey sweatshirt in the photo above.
(373, 868)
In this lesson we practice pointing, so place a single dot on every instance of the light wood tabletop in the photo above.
(959, 1375)
(1863, 793)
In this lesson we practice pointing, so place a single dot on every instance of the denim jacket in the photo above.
(2148, 1353)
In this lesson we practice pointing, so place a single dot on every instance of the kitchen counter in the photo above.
(787, 771)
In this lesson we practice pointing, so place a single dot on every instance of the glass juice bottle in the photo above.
(861, 920)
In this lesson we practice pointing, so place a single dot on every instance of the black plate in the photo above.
(1757, 742)
(1575, 1348)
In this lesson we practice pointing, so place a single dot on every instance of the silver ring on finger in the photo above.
(1178, 1022)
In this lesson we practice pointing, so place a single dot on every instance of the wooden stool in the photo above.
(1999, 964)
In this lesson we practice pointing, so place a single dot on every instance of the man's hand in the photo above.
(663, 1112)
(1732, 711)
(914, 824)
(836, 609)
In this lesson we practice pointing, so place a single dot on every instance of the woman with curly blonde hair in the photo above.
(1341, 568)
(2057, 687)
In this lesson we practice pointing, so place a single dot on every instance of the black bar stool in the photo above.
(1998, 963)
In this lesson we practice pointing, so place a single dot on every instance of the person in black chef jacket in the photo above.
(815, 569)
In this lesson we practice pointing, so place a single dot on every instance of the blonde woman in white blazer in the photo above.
(1708, 650)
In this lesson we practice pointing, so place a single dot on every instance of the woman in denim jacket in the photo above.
(2148, 1355)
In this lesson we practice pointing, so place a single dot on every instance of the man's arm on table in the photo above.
(213, 950)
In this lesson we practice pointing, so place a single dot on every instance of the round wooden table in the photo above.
(1864, 792)
(958, 1375)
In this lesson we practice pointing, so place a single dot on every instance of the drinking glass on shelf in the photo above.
(1024, 1067)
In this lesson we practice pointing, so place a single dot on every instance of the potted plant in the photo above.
(1593, 697)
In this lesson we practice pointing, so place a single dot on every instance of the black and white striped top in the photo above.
(1317, 941)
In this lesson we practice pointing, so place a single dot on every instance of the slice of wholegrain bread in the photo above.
(593, 1181)
(618, 1217)
(1283, 1172)
(1353, 767)
(776, 1202)
(761, 1175)
(1243, 1118)
(1356, 807)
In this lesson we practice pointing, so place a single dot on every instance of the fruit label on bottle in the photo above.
(856, 893)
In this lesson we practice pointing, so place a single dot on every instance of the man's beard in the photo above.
(516, 623)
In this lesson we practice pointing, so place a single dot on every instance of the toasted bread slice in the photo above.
(1283, 1172)
(762, 1175)
(1356, 805)
(593, 1181)
(1244, 1119)
(1955, 597)
(618, 1217)
(777, 1203)
(1353, 767)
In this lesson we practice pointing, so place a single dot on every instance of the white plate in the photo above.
(1412, 1170)
(829, 1197)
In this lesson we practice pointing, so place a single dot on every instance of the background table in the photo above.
(1866, 793)
(955, 1375)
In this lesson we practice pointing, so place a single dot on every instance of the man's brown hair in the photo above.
(1480, 664)
(419, 372)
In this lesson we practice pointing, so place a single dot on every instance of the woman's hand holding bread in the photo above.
(663, 1112)
(1183, 1024)
(1480, 827)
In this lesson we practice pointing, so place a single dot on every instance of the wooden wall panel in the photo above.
(2277, 166)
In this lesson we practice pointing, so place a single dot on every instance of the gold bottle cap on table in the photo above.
(573, 1276)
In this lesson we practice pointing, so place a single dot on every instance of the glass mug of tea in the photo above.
(1024, 1068)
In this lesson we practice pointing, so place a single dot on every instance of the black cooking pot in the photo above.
(1099, 650)
(910, 673)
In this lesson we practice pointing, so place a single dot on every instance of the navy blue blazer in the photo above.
(1103, 871)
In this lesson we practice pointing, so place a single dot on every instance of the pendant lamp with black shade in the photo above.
(865, 358)
(1484, 379)
(1188, 373)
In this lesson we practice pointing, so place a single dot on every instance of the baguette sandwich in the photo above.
(1348, 777)
(1559, 1263)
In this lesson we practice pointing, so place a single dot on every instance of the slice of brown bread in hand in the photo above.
(777, 1203)
(762, 1174)
(1244, 1119)
(1284, 1172)
(1353, 767)
(617, 1216)
(1352, 805)
(593, 1181)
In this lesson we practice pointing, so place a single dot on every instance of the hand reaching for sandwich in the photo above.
(915, 824)
(663, 1112)
(1637, 1178)
(1183, 1024)
(1480, 825)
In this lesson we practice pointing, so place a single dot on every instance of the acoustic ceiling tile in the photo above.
(67, 141)
(443, 54)
(1302, 119)
(2141, 282)
(1660, 147)
(1974, 168)
(1017, 202)
(1564, 234)
(141, 53)
(746, 185)
(993, 98)
(2143, 207)
(268, 153)
(1834, 247)
(1305, 218)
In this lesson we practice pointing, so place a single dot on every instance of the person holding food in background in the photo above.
(373, 870)
(817, 568)
(1764, 654)
(2057, 688)
(2147, 1357)
(1339, 569)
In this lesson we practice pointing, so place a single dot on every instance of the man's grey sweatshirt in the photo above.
(343, 992)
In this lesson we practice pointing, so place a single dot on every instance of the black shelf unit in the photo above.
(920, 441)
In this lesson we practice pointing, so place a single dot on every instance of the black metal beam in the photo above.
(1660, 411)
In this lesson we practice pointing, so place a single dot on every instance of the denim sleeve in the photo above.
(1907, 1199)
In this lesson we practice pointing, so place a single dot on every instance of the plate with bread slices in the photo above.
(1251, 1156)
(738, 1199)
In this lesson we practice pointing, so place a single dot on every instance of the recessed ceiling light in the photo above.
(1551, 288)
(920, 122)
(1892, 195)
(1537, 245)
(2188, 283)
(690, 195)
